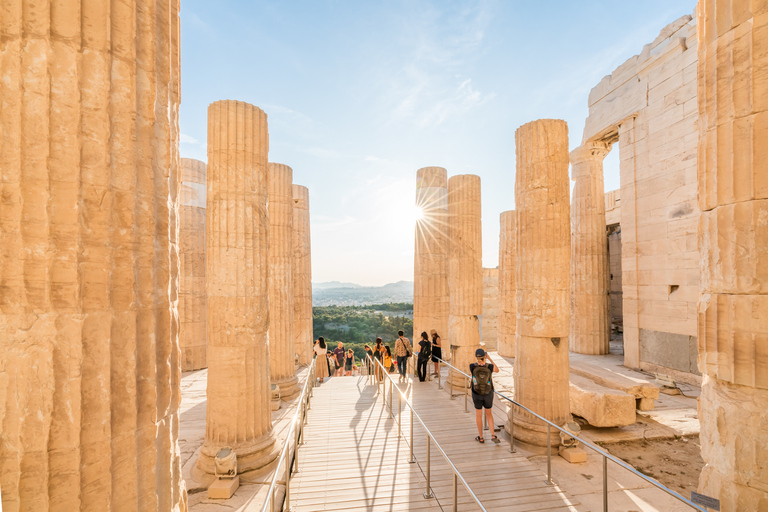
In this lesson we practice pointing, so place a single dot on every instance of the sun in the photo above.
(418, 213)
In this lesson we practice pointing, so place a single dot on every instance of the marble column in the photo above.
(282, 350)
(465, 271)
(507, 287)
(238, 413)
(590, 279)
(489, 331)
(89, 341)
(302, 276)
(543, 269)
(430, 265)
(733, 245)
(192, 280)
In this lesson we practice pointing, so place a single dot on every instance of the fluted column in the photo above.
(238, 411)
(302, 276)
(282, 353)
(465, 274)
(507, 283)
(430, 265)
(543, 268)
(733, 245)
(89, 354)
(192, 249)
(590, 280)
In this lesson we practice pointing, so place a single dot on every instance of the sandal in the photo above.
(479, 439)
(495, 439)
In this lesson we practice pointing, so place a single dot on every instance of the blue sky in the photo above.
(361, 94)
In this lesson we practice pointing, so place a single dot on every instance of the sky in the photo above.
(361, 94)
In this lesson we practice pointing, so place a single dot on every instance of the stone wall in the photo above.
(489, 323)
(89, 332)
(650, 101)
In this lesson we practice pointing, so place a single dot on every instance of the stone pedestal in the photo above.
(465, 272)
(89, 341)
(237, 241)
(733, 243)
(590, 279)
(302, 276)
(192, 276)
(282, 349)
(543, 268)
(430, 265)
(507, 284)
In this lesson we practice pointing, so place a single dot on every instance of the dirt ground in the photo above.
(675, 463)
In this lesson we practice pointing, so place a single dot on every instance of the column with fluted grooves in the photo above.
(238, 413)
(543, 269)
(507, 288)
(590, 280)
(282, 353)
(302, 276)
(430, 265)
(465, 271)
(89, 355)
(192, 248)
(733, 246)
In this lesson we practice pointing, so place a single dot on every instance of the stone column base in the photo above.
(250, 456)
(289, 387)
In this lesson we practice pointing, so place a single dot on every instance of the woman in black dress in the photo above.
(378, 354)
(437, 350)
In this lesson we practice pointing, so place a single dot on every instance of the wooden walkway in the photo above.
(354, 459)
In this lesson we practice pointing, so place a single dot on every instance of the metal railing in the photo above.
(606, 456)
(296, 432)
(377, 377)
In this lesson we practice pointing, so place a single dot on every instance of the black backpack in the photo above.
(481, 379)
(426, 352)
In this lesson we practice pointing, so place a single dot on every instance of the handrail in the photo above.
(301, 413)
(401, 397)
(605, 455)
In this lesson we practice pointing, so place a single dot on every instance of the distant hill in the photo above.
(350, 294)
(334, 284)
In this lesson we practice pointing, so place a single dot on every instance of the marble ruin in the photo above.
(733, 244)
(432, 246)
(507, 302)
(489, 322)
(282, 344)
(302, 276)
(542, 277)
(465, 272)
(192, 259)
(89, 332)
(238, 413)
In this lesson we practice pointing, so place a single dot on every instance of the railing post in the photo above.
(296, 447)
(450, 382)
(605, 484)
(428, 494)
(391, 412)
(466, 392)
(439, 386)
(455, 492)
(549, 455)
(412, 460)
(512, 428)
(399, 413)
(287, 506)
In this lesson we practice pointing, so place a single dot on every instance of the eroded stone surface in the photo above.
(430, 264)
(282, 345)
(489, 325)
(543, 269)
(601, 406)
(302, 275)
(465, 276)
(507, 284)
(237, 245)
(89, 333)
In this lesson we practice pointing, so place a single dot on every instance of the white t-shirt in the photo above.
(320, 351)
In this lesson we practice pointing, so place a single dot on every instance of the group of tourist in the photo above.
(339, 362)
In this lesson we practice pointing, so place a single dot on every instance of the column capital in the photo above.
(594, 150)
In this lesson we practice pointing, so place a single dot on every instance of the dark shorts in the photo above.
(482, 401)
(348, 367)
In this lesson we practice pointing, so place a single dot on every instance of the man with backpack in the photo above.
(482, 391)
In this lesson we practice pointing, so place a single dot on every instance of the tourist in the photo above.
(368, 355)
(378, 355)
(349, 362)
(425, 352)
(322, 367)
(338, 355)
(402, 353)
(437, 350)
(388, 358)
(482, 391)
